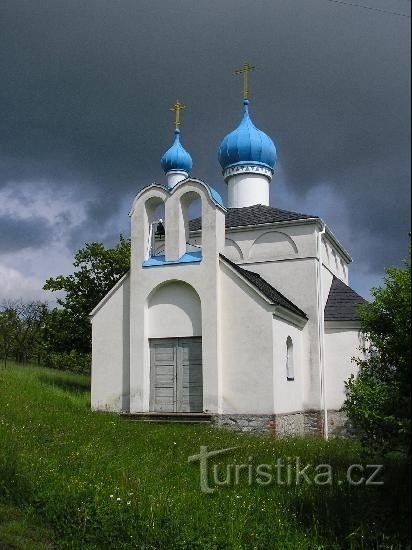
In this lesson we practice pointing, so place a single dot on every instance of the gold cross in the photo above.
(177, 107)
(245, 72)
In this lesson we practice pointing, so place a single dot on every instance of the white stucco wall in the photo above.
(297, 281)
(341, 344)
(174, 310)
(275, 242)
(110, 353)
(334, 260)
(288, 393)
(327, 279)
(247, 348)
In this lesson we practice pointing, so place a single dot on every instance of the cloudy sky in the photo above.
(85, 92)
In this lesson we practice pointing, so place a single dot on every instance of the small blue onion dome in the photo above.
(247, 145)
(176, 158)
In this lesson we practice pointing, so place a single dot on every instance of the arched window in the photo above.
(290, 368)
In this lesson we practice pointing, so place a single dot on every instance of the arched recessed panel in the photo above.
(233, 250)
(272, 245)
(174, 310)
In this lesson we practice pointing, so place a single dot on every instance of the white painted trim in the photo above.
(342, 325)
(108, 295)
(264, 225)
(321, 328)
(303, 221)
(171, 190)
(153, 185)
(247, 169)
(291, 259)
(286, 315)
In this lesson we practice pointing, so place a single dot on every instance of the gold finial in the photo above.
(244, 70)
(177, 107)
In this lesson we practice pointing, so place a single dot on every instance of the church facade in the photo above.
(242, 313)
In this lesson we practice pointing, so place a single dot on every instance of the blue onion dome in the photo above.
(247, 145)
(176, 158)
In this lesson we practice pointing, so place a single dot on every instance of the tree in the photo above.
(378, 400)
(20, 328)
(97, 270)
(8, 328)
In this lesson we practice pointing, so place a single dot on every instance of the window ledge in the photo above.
(188, 258)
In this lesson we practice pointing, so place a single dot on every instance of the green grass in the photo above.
(75, 479)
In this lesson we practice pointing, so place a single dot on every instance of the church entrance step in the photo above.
(181, 418)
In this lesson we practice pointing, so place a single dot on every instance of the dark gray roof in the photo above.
(342, 303)
(254, 215)
(266, 289)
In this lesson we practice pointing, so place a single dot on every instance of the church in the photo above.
(240, 315)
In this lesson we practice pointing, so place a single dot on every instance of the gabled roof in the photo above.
(254, 215)
(342, 303)
(273, 295)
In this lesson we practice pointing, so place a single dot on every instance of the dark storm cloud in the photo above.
(86, 88)
(17, 233)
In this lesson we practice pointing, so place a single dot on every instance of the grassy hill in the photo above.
(76, 479)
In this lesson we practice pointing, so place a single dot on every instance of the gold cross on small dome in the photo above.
(177, 107)
(244, 70)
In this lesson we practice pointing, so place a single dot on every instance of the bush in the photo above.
(378, 400)
(73, 361)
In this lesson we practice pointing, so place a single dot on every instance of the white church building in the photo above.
(242, 316)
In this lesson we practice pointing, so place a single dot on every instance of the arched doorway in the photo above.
(174, 328)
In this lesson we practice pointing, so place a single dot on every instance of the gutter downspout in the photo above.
(321, 333)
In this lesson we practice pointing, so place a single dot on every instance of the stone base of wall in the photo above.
(287, 425)
(306, 423)
(339, 425)
(246, 422)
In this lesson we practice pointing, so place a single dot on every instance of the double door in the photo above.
(176, 382)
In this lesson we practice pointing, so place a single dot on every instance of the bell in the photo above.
(160, 229)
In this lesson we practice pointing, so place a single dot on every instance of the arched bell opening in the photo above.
(155, 221)
(191, 209)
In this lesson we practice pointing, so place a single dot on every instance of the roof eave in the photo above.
(277, 307)
(108, 295)
(287, 315)
(348, 324)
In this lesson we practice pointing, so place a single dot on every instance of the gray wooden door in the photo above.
(176, 382)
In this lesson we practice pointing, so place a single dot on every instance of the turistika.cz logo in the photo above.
(282, 472)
